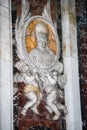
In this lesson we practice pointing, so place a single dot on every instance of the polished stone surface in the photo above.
(5, 3)
(6, 120)
(70, 56)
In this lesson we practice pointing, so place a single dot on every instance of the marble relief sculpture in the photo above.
(40, 69)
(32, 92)
(42, 55)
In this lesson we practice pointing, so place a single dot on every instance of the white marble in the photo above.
(5, 34)
(6, 96)
(70, 56)
(72, 94)
(5, 3)
(4, 11)
(6, 74)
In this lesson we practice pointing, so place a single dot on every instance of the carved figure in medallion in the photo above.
(42, 56)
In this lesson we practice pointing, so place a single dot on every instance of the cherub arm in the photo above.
(52, 79)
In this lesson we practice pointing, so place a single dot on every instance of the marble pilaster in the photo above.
(6, 88)
(70, 56)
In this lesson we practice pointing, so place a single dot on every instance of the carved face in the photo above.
(42, 40)
(41, 32)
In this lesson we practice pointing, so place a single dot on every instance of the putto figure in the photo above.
(50, 85)
(31, 91)
(42, 56)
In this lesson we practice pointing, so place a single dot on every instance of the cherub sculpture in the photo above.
(31, 89)
(50, 85)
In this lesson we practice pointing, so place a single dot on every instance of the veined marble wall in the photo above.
(81, 11)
